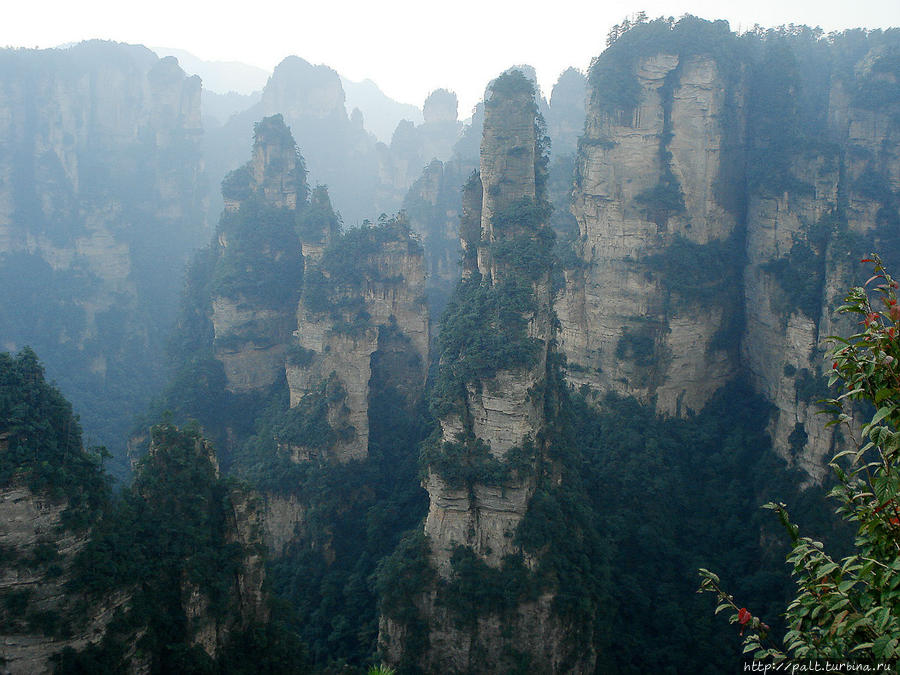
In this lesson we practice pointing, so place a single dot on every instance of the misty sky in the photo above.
(409, 47)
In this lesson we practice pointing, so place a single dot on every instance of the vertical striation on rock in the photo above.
(819, 209)
(496, 339)
(363, 309)
(498, 409)
(649, 207)
(40, 616)
(259, 269)
(722, 194)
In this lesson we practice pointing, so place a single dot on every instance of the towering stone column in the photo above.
(655, 206)
(484, 466)
(259, 267)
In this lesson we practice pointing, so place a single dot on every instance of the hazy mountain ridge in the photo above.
(221, 77)
(381, 113)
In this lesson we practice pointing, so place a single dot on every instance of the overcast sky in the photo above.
(409, 47)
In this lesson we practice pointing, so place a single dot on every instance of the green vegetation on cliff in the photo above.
(167, 551)
(627, 507)
(337, 283)
(354, 515)
(255, 261)
(483, 331)
(169, 543)
(262, 260)
(613, 84)
(40, 442)
(847, 606)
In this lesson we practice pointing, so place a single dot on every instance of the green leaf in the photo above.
(850, 393)
(839, 620)
(839, 604)
(881, 414)
(826, 569)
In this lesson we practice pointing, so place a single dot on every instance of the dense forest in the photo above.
(499, 430)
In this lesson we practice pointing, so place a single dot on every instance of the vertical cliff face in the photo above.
(39, 616)
(723, 196)
(100, 206)
(232, 519)
(490, 398)
(299, 319)
(784, 338)
(807, 228)
(362, 311)
(116, 585)
(649, 203)
(499, 409)
(49, 495)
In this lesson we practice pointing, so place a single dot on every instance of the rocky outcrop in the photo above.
(473, 649)
(499, 410)
(229, 519)
(508, 158)
(283, 520)
(250, 343)
(252, 330)
(719, 220)
(483, 518)
(841, 203)
(38, 616)
(321, 98)
(647, 181)
(363, 311)
(491, 417)
(247, 602)
(340, 153)
(782, 345)
(413, 147)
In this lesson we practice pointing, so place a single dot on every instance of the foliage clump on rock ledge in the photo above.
(170, 534)
(483, 331)
(336, 284)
